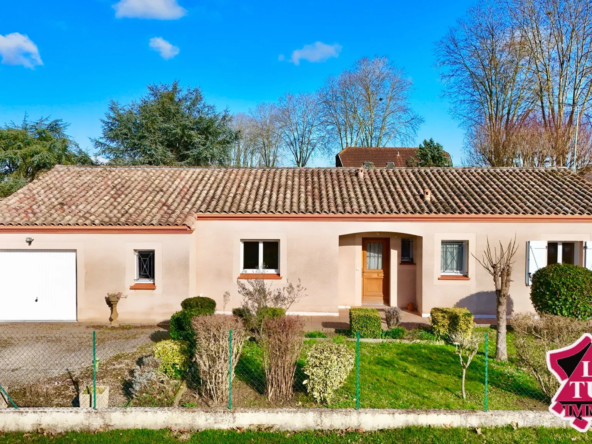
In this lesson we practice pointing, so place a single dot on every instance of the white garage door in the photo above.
(37, 285)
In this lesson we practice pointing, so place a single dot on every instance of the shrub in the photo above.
(148, 387)
(366, 321)
(180, 327)
(242, 313)
(253, 322)
(281, 341)
(394, 333)
(257, 294)
(534, 337)
(269, 313)
(563, 290)
(174, 356)
(446, 321)
(212, 349)
(327, 366)
(315, 334)
(393, 316)
(144, 375)
(204, 306)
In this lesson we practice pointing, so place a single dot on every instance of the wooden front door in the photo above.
(375, 271)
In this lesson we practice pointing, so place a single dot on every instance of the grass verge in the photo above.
(407, 435)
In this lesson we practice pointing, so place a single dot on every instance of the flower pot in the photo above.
(86, 397)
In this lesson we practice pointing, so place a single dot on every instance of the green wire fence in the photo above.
(56, 368)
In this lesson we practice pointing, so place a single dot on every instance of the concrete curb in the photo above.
(376, 341)
(78, 419)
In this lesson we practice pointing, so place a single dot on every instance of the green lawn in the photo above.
(405, 376)
(407, 435)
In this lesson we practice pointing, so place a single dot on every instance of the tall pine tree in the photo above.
(430, 154)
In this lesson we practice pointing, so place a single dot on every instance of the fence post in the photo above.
(8, 397)
(229, 369)
(357, 370)
(486, 341)
(94, 371)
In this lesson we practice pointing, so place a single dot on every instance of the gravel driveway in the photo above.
(32, 352)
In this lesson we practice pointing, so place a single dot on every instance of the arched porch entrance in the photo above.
(380, 269)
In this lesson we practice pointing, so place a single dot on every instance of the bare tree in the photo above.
(301, 126)
(267, 135)
(485, 70)
(558, 36)
(500, 265)
(244, 152)
(337, 100)
(259, 139)
(369, 105)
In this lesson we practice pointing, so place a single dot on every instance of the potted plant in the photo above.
(86, 397)
(112, 301)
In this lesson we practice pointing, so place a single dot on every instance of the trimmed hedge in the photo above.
(327, 366)
(180, 325)
(366, 321)
(449, 320)
(563, 290)
(201, 304)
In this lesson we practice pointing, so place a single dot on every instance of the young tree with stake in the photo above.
(499, 265)
(466, 349)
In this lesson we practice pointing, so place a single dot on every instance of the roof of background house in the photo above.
(169, 196)
(355, 156)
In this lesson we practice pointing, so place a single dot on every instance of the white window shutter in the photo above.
(536, 257)
(588, 255)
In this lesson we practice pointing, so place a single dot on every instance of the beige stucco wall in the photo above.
(307, 252)
(106, 263)
(326, 256)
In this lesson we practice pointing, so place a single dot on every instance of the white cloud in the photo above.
(164, 48)
(18, 49)
(315, 53)
(149, 9)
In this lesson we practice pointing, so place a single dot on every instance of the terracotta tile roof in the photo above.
(163, 196)
(355, 156)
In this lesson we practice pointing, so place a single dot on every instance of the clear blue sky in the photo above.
(68, 58)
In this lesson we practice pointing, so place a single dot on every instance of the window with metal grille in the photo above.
(145, 266)
(407, 250)
(453, 258)
(260, 257)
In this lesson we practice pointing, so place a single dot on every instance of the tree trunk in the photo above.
(463, 383)
(501, 351)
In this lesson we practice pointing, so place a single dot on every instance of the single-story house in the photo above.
(378, 157)
(354, 237)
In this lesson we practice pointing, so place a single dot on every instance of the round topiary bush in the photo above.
(202, 304)
(563, 290)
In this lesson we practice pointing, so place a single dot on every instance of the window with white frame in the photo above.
(407, 251)
(260, 256)
(145, 266)
(453, 258)
(562, 253)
